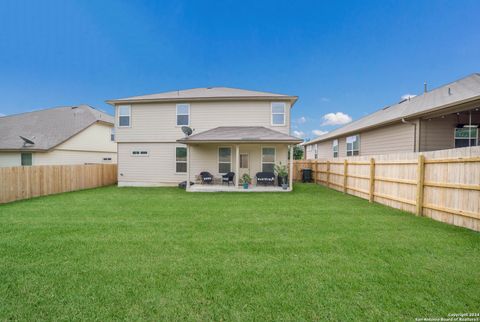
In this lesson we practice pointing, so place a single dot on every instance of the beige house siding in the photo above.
(325, 150)
(57, 157)
(156, 122)
(96, 137)
(388, 139)
(158, 168)
(9, 159)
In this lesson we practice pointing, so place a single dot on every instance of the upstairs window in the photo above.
(26, 159)
(124, 115)
(466, 136)
(268, 159)
(335, 148)
(278, 114)
(183, 114)
(315, 147)
(353, 145)
(181, 159)
(112, 134)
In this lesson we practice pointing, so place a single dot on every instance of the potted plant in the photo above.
(245, 180)
(282, 175)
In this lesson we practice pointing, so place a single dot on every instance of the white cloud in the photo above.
(338, 118)
(1, 114)
(319, 132)
(299, 134)
(302, 120)
(407, 96)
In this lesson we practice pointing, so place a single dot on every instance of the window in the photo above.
(183, 114)
(278, 113)
(224, 160)
(466, 136)
(316, 150)
(107, 159)
(335, 148)
(112, 134)
(353, 145)
(26, 159)
(181, 159)
(268, 159)
(124, 114)
(139, 153)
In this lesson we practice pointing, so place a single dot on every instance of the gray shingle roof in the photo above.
(203, 94)
(240, 134)
(47, 128)
(464, 89)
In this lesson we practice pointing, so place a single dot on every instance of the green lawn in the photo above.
(164, 254)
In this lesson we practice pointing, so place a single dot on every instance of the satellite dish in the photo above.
(187, 130)
(26, 141)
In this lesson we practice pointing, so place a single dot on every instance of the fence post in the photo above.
(420, 182)
(328, 173)
(372, 179)
(345, 173)
(315, 172)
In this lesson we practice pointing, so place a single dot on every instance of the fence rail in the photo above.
(443, 185)
(27, 182)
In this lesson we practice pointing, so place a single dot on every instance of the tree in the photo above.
(297, 152)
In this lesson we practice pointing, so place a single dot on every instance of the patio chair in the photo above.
(207, 177)
(265, 178)
(228, 178)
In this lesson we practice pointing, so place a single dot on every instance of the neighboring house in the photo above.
(444, 118)
(233, 130)
(62, 135)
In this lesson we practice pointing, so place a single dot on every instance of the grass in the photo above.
(163, 254)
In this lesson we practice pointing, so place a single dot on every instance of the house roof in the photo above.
(205, 93)
(460, 91)
(47, 128)
(240, 134)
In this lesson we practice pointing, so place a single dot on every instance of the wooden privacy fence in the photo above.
(27, 182)
(443, 185)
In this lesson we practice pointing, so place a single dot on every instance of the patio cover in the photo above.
(240, 134)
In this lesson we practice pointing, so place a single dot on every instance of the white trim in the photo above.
(218, 158)
(284, 113)
(175, 158)
(261, 156)
(140, 153)
(129, 115)
(176, 114)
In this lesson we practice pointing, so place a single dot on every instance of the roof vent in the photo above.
(449, 91)
(74, 107)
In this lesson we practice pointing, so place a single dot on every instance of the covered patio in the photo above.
(250, 151)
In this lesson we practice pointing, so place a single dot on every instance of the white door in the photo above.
(244, 164)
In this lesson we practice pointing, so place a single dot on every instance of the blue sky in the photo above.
(339, 57)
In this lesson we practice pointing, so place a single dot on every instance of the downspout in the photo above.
(414, 133)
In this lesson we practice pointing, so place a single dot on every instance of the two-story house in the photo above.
(234, 130)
